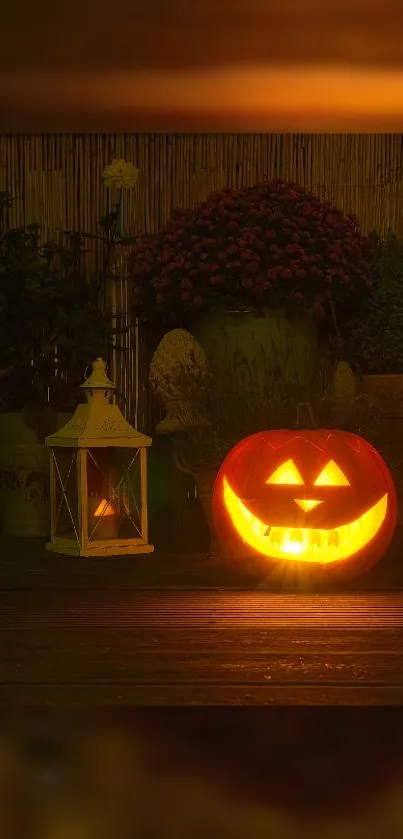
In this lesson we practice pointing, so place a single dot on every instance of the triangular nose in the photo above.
(307, 504)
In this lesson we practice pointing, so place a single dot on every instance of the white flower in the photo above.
(121, 174)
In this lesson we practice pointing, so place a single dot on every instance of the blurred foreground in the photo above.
(317, 773)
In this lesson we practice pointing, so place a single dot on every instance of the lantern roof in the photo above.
(98, 423)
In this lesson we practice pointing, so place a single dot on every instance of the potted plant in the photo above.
(234, 408)
(257, 266)
(374, 341)
(51, 329)
(53, 322)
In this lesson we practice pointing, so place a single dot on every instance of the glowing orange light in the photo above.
(287, 473)
(307, 504)
(332, 476)
(303, 543)
(104, 509)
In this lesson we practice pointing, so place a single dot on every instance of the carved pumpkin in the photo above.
(321, 498)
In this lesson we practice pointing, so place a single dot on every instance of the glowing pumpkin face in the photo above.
(320, 497)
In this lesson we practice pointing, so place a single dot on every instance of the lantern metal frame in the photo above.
(97, 424)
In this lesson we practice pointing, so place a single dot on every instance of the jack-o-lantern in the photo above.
(319, 499)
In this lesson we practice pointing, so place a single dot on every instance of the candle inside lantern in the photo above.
(104, 509)
(103, 518)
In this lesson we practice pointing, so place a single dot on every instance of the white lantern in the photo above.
(98, 478)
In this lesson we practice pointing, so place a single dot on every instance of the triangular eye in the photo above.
(332, 476)
(287, 473)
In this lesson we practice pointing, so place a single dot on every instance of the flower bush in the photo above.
(270, 245)
(374, 341)
(55, 316)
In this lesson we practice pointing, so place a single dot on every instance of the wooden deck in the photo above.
(171, 631)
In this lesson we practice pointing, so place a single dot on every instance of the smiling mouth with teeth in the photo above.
(305, 544)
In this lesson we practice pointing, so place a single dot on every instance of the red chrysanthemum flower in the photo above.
(273, 244)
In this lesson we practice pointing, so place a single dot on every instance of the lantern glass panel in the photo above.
(114, 493)
(66, 493)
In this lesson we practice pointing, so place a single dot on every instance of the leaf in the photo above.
(108, 221)
(93, 236)
(5, 200)
(127, 240)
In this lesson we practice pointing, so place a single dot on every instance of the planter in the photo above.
(386, 389)
(204, 482)
(175, 522)
(180, 415)
(172, 422)
(204, 487)
(24, 478)
(290, 344)
(161, 489)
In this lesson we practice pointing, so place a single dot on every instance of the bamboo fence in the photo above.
(56, 181)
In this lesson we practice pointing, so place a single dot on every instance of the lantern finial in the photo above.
(98, 377)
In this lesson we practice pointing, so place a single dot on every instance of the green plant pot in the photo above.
(162, 485)
(163, 489)
(168, 495)
(205, 489)
(387, 391)
(291, 345)
(24, 478)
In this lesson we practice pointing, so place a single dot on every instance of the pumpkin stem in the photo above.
(307, 408)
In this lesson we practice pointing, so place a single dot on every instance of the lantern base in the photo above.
(74, 549)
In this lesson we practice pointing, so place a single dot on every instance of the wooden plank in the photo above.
(24, 564)
(210, 638)
(75, 657)
(109, 695)
(122, 647)
(194, 608)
